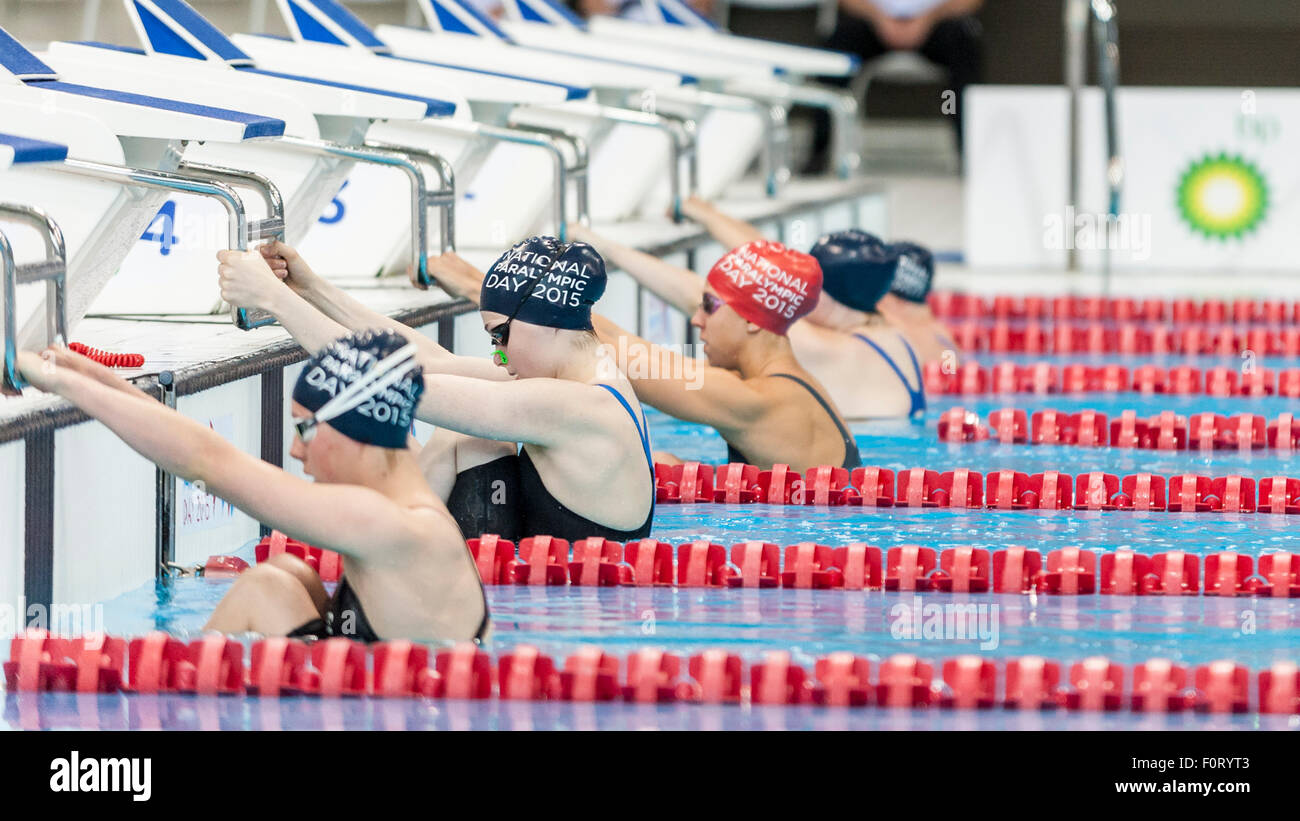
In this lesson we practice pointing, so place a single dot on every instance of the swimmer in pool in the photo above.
(753, 391)
(545, 438)
(353, 404)
(903, 307)
(868, 368)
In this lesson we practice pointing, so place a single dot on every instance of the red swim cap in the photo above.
(768, 284)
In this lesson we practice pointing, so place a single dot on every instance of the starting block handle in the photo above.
(443, 199)
(197, 180)
(682, 133)
(403, 159)
(52, 271)
(272, 227)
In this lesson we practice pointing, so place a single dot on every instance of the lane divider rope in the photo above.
(339, 667)
(1033, 337)
(973, 379)
(951, 305)
(599, 562)
(1167, 430)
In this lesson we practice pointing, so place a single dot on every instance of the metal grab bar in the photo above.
(841, 106)
(681, 132)
(546, 139)
(775, 159)
(53, 271)
(444, 199)
(576, 172)
(1101, 14)
(400, 158)
(206, 183)
(1106, 34)
(272, 227)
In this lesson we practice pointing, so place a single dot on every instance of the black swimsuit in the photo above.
(852, 458)
(347, 619)
(508, 497)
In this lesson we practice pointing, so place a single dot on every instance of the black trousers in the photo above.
(955, 44)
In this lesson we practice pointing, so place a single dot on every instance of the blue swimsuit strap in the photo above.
(642, 433)
(917, 395)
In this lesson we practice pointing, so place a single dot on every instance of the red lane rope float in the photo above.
(327, 564)
(908, 568)
(1002, 489)
(592, 562)
(950, 305)
(972, 379)
(1034, 337)
(111, 360)
(215, 665)
(1089, 428)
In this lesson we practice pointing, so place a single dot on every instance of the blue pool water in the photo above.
(1191, 630)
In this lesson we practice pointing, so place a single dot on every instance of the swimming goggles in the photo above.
(710, 303)
(384, 375)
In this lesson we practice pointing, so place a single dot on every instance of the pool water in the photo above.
(1191, 630)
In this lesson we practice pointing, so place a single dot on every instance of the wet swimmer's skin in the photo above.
(406, 560)
(545, 437)
(865, 366)
(753, 391)
(903, 307)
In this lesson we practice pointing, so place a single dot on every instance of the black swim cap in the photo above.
(382, 407)
(857, 268)
(543, 281)
(915, 272)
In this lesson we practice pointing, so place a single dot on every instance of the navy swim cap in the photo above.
(543, 281)
(380, 414)
(915, 272)
(857, 268)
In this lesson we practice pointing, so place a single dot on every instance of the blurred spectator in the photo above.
(632, 9)
(943, 31)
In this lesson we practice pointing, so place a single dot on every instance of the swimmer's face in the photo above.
(502, 332)
(722, 330)
(318, 456)
(530, 350)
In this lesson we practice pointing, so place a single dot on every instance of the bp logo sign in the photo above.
(1223, 197)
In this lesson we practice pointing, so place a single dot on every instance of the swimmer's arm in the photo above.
(339, 517)
(543, 412)
(683, 386)
(726, 229)
(679, 287)
(316, 312)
